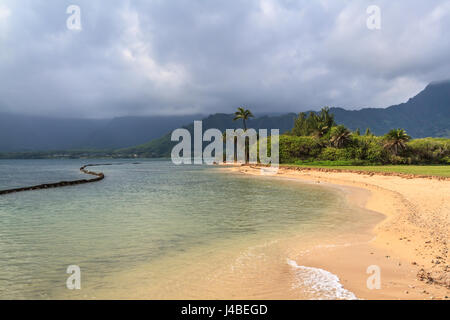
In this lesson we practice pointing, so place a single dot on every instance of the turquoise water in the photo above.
(143, 217)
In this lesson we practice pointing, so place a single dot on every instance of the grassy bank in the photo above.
(432, 170)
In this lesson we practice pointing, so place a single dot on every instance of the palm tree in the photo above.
(340, 135)
(300, 127)
(315, 124)
(326, 118)
(316, 127)
(322, 122)
(224, 139)
(395, 140)
(243, 114)
(319, 129)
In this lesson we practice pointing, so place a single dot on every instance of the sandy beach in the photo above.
(410, 246)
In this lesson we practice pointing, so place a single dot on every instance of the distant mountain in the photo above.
(162, 147)
(126, 131)
(425, 115)
(20, 133)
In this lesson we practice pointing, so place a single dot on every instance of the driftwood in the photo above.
(99, 176)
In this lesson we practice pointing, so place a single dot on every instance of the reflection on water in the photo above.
(155, 230)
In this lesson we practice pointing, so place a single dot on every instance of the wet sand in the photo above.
(410, 246)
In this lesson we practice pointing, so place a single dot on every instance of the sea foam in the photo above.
(319, 284)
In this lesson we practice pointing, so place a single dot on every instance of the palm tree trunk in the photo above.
(246, 145)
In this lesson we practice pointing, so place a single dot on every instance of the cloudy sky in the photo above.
(203, 56)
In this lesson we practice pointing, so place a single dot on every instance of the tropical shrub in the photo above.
(395, 141)
(394, 148)
(334, 154)
(339, 136)
(369, 148)
(428, 150)
(293, 148)
(313, 124)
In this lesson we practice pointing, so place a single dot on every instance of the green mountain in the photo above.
(162, 147)
(425, 115)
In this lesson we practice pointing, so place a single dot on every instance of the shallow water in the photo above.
(156, 230)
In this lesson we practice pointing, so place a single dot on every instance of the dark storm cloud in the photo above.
(191, 56)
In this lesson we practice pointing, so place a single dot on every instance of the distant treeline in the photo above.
(59, 154)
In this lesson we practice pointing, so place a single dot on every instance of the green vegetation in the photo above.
(313, 124)
(317, 140)
(360, 150)
(309, 139)
(340, 136)
(157, 148)
(396, 140)
(430, 170)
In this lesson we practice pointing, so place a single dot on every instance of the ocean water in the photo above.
(155, 230)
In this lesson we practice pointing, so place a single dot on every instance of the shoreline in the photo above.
(410, 245)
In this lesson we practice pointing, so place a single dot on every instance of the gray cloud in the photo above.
(190, 56)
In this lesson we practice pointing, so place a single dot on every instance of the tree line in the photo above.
(316, 136)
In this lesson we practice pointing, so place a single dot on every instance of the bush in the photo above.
(369, 148)
(334, 154)
(393, 159)
(428, 150)
(363, 149)
(332, 163)
(293, 148)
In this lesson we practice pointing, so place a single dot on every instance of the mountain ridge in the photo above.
(418, 121)
(425, 114)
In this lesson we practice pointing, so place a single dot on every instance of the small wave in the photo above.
(319, 284)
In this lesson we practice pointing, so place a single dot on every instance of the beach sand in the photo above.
(410, 246)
